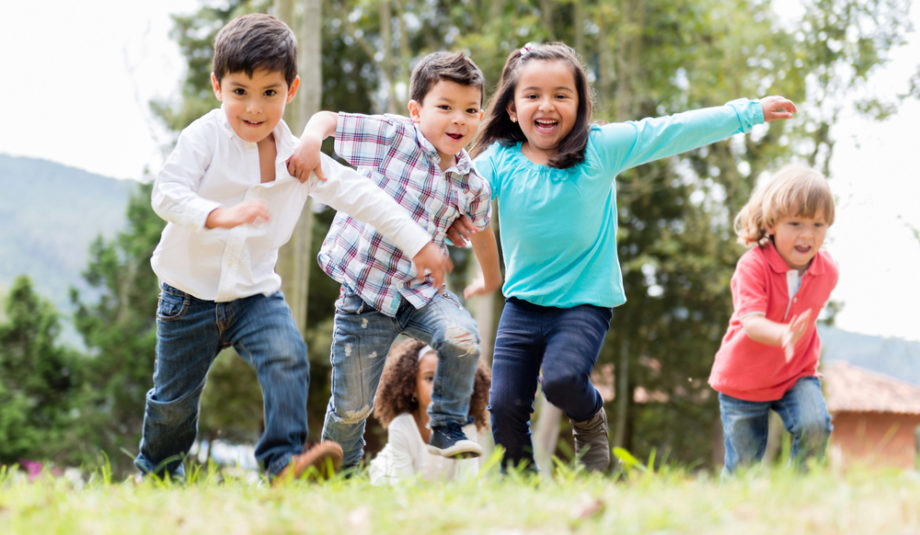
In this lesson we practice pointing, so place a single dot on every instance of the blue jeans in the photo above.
(565, 343)
(190, 334)
(745, 424)
(361, 340)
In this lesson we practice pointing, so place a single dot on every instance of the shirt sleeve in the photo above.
(629, 144)
(395, 462)
(175, 191)
(361, 140)
(479, 207)
(485, 166)
(348, 191)
(749, 289)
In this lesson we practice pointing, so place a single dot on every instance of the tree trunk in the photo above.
(294, 259)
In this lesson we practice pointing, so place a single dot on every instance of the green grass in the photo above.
(773, 501)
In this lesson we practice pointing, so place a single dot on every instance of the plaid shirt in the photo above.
(391, 151)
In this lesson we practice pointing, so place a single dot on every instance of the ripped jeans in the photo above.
(361, 340)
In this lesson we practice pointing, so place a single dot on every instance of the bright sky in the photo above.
(79, 76)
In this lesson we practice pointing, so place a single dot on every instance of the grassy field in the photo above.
(775, 501)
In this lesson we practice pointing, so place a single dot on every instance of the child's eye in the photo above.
(270, 92)
(444, 107)
(239, 91)
(472, 111)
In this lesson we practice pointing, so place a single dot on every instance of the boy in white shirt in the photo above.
(230, 204)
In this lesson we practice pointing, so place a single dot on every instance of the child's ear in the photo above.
(512, 113)
(292, 91)
(215, 85)
(415, 111)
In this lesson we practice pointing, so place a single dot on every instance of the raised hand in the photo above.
(794, 331)
(777, 108)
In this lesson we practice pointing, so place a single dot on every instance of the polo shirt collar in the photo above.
(778, 265)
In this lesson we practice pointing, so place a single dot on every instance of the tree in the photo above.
(119, 331)
(40, 382)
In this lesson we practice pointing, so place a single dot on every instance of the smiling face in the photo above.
(448, 117)
(798, 238)
(545, 105)
(254, 104)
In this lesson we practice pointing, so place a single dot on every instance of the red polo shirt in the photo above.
(753, 371)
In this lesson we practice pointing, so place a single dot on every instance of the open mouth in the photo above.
(455, 137)
(253, 123)
(545, 124)
(803, 249)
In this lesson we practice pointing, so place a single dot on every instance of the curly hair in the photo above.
(395, 395)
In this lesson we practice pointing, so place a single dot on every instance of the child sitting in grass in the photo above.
(402, 407)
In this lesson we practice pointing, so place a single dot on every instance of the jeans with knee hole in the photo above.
(745, 424)
(190, 334)
(361, 339)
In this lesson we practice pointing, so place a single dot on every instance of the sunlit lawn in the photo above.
(768, 501)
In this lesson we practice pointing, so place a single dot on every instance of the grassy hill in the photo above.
(49, 215)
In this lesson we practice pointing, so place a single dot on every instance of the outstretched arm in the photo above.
(786, 335)
(305, 159)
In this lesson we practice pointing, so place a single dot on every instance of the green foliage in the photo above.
(40, 381)
(118, 328)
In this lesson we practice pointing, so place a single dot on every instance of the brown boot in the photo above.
(320, 461)
(592, 446)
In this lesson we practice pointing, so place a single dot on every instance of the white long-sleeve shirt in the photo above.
(406, 455)
(212, 167)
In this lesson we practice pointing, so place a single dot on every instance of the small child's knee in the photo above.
(462, 341)
(353, 416)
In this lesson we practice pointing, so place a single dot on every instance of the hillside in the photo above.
(892, 356)
(49, 215)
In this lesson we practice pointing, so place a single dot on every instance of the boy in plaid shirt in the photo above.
(420, 161)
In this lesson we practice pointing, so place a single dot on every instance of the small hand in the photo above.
(794, 331)
(460, 231)
(244, 213)
(431, 260)
(306, 159)
(776, 107)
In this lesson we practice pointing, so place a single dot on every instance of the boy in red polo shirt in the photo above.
(769, 356)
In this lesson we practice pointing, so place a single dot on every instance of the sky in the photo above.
(79, 77)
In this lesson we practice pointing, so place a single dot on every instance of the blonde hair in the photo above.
(793, 191)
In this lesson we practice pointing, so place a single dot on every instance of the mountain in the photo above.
(49, 215)
(895, 357)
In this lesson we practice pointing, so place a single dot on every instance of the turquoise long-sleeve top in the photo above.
(559, 226)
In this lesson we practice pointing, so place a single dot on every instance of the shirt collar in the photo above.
(778, 265)
(284, 140)
(464, 162)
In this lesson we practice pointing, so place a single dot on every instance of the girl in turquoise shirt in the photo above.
(553, 172)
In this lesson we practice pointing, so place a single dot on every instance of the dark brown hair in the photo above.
(455, 67)
(395, 395)
(498, 126)
(255, 41)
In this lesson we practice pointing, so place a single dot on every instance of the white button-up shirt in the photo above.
(212, 167)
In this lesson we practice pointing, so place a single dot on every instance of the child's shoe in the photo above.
(592, 445)
(449, 441)
(320, 461)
